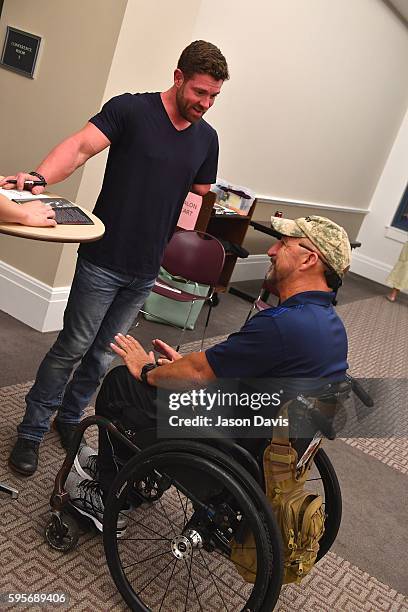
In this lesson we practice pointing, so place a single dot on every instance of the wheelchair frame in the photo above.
(62, 533)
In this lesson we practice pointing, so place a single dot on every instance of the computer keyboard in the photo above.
(71, 216)
(66, 213)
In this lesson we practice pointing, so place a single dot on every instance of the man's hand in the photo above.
(167, 351)
(133, 354)
(191, 371)
(37, 214)
(21, 177)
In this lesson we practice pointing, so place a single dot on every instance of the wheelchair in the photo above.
(184, 502)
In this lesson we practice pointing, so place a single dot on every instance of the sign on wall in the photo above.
(20, 51)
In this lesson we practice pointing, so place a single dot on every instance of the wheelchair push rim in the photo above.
(324, 472)
(175, 555)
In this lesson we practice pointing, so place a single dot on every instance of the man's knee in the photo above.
(121, 389)
(111, 390)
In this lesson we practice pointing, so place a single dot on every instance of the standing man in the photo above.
(160, 149)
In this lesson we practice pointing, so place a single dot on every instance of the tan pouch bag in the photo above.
(299, 514)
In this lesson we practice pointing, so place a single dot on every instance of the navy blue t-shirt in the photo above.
(301, 338)
(150, 169)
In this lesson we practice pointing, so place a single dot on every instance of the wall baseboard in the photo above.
(370, 268)
(251, 268)
(29, 300)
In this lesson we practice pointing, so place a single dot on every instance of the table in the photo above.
(60, 233)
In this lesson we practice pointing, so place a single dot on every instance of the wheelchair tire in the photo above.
(332, 499)
(217, 472)
(258, 497)
(62, 532)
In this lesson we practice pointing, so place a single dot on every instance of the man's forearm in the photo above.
(192, 371)
(62, 161)
(72, 153)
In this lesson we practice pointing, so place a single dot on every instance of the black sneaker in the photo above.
(86, 498)
(66, 433)
(24, 456)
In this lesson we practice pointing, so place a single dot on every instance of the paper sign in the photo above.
(189, 213)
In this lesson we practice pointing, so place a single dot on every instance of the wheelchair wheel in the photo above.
(61, 532)
(175, 553)
(263, 506)
(324, 480)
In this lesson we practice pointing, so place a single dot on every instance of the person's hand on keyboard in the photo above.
(37, 214)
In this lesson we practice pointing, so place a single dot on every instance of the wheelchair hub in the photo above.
(182, 545)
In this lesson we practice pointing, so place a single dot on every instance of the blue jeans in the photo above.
(101, 304)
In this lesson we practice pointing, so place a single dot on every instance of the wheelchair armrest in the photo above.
(320, 406)
(360, 392)
(333, 392)
(319, 420)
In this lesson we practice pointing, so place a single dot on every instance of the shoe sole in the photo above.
(80, 470)
(19, 471)
(120, 532)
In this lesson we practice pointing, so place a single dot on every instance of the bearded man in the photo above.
(160, 148)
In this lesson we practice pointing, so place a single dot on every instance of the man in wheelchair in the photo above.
(301, 338)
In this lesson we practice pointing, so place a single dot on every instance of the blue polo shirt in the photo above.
(301, 338)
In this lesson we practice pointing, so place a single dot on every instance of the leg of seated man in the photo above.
(131, 404)
(124, 400)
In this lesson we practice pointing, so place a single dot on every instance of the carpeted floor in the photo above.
(366, 569)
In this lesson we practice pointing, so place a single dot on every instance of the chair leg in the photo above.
(185, 325)
(206, 325)
(250, 313)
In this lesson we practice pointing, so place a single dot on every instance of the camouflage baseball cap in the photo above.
(330, 239)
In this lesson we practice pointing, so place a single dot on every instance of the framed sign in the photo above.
(20, 51)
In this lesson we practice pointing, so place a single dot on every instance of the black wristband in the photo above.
(39, 176)
(146, 368)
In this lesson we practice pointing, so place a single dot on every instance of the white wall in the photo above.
(317, 94)
(381, 244)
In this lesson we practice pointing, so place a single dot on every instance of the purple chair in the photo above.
(260, 303)
(192, 256)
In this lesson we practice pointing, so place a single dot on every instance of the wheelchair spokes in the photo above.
(175, 555)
